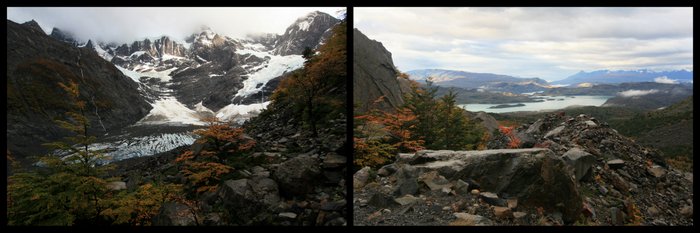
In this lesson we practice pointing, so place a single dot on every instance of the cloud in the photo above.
(631, 93)
(126, 24)
(550, 43)
(666, 80)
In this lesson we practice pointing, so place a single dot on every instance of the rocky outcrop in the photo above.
(299, 175)
(580, 172)
(249, 198)
(36, 63)
(305, 32)
(64, 36)
(374, 76)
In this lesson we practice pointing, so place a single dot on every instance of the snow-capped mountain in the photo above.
(212, 74)
(307, 31)
(207, 74)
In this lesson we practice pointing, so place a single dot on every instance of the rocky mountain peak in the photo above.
(375, 75)
(305, 32)
(64, 36)
(33, 25)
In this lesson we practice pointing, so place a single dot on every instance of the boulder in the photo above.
(434, 181)
(298, 176)
(656, 171)
(387, 170)
(536, 176)
(381, 200)
(334, 161)
(492, 199)
(406, 181)
(461, 187)
(580, 162)
(502, 212)
(359, 179)
(555, 132)
(116, 185)
(289, 215)
(616, 163)
(535, 128)
(249, 198)
(174, 214)
(406, 200)
(466, 219)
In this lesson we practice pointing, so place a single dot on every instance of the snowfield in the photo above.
(275, 67)
(170, 110)
(240, 113)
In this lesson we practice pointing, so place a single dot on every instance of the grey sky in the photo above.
(126, 24)
(550, 43)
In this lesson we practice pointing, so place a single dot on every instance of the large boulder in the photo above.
(406, 181)
(298, 176)
(535, 176)
(249, 198)
(580, 162)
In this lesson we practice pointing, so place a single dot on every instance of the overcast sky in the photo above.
(126, 24)
(550, 43)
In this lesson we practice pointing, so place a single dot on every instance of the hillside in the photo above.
(669, 130)
(579, 172)
(36, 64)
(486, 81)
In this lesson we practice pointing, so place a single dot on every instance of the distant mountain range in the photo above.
(487, 81)
(626, 76)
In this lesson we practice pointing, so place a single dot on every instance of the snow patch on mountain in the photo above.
(130, 73)
(239, 113)
(136, 54)
(199, 107)
(275, 67)
(166, 57)
(102, 53)
(170, 110)
(253, 52)
(304, 25)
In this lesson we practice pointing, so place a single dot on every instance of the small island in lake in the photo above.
(507, 105)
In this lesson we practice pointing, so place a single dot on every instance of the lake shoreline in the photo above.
(539, 103)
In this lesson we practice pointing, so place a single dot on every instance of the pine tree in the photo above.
(421, 101)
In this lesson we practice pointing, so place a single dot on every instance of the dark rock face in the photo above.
(299, 175)
(36, 64)
(157, 48)
(248, 198)
(307, 31)
(375, 75)
(64, 36)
